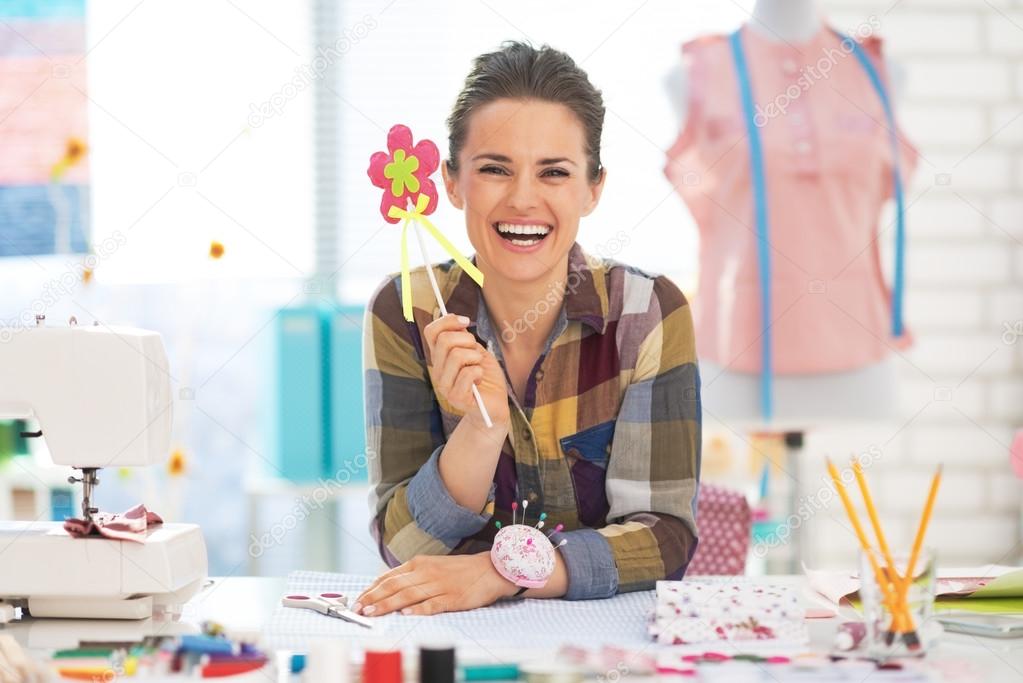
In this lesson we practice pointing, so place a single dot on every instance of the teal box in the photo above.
(303, 396)
(61, 504)
(347, 406)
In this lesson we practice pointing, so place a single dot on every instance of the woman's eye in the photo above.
(495, 170)
(555, 173)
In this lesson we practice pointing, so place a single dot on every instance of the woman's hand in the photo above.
(431, 584)
(457, 362)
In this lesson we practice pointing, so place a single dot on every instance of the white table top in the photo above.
(244, 605)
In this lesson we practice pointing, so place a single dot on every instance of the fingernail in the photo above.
(406, 610)
(356, 607)
(369, 609)
(464, 320)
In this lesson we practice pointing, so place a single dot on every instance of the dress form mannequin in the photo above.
(793, 21)
(804, 400)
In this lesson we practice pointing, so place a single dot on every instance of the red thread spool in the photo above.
(382, 666)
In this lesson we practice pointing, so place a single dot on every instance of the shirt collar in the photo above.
(586, 289)
(585, 293)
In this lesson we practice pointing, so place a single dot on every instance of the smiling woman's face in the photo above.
(523, 184)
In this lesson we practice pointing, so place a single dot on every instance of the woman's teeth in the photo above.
(522, 235)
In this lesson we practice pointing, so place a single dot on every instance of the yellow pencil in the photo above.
(921, 531)
(901, 616)
(864, 543)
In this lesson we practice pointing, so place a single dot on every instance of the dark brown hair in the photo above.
(520, 71)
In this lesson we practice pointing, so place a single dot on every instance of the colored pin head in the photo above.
(543, 516)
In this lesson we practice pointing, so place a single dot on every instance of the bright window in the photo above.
(176, 162)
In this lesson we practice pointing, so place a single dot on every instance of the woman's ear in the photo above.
(451, 185)
(596, 189)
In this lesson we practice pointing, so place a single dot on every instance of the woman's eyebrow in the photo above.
(557, 160)
(507, 160)
(493, 157)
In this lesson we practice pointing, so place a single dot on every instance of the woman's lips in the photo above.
(522, 237)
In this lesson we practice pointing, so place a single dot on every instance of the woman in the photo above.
(586, 368)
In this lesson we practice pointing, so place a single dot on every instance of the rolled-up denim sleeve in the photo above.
(589, 562)
(412, 511)
(435, 512)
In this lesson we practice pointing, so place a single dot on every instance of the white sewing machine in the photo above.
(102, 398)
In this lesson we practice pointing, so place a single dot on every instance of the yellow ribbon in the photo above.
(416, 214)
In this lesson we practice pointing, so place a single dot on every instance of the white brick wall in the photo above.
(931, 306)
(1004, 306)
(961, 102)
(943, 216)
(948, 125)
(1006, 217)
(958, 263)
(1003, 33)
(954, 78)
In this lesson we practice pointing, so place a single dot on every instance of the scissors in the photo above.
(330, 604)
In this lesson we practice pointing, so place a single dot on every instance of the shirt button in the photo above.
(532, 497)
(789, 67)
(527, 435)
(539, 375)
(803, 147)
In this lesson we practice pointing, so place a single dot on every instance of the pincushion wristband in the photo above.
(523, 554)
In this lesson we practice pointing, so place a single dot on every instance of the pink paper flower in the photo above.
(403, 172)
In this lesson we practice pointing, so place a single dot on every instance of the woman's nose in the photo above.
(523, 194)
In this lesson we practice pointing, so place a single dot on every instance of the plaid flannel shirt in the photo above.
(606, 440)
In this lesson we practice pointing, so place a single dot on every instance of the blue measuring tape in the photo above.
(761, 215)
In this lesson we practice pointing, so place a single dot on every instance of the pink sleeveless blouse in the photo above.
(828, 167)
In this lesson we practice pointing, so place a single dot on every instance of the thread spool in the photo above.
(382, 666)
(551, 673)
(327, 662)
(436, 664)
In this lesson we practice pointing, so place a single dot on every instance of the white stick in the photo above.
(444, 311)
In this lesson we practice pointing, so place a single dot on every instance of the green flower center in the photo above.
(401, 171)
